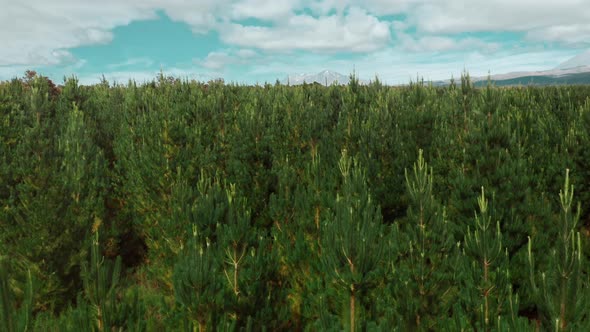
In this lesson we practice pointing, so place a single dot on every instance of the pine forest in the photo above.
(177, 205)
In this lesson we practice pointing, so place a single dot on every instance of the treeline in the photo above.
(178, 205)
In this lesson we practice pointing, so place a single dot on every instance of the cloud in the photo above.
(217, 61)
(375, 7)
(569, 34)
(38, 33)
(201, 15)
(356, 31)
(43, 27)
(444, 44)
(246, 53)
(455, 16)
(272, 10)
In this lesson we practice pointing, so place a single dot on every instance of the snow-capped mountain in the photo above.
(325, 77)
(579, 61)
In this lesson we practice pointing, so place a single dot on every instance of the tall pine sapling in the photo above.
(487, 268)
(352, 239)
(427, 285)
(563, 294)
(196, 283)
(101, 279)
(247, 263)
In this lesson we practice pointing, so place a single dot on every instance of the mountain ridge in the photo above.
(575, 70)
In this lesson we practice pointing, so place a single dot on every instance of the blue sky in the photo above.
(250, 41)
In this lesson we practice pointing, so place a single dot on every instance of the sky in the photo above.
(257, 41)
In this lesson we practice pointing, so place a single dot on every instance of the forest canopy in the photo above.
(182, 205)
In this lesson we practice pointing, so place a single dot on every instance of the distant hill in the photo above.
(573, 71)
(571, 79)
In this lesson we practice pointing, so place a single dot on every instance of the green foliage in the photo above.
(100, 283)
(234, 207)
(197, 284)
(15, 317)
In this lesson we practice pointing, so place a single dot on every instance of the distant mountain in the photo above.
(536, 79)
(573, 79)
(325, 77)
(580, 60)
(573, 71)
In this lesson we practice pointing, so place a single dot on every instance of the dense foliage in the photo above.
(186, 206)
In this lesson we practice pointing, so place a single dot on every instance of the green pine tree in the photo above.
(491, 303)
(428, 253)
(563, 294)
(197, 285)
(101, 279)
(353, 241)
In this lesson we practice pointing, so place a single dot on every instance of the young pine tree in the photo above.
(564, 292)
(353, 241)
(428, 252)
(487, 268)
(197, 285)
(101, 279)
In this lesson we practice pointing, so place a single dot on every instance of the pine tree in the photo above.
(564, 292)
(425, 267)
(101, 279)
(492, 301)
(196, 284)
(298, 209)
(352, 240)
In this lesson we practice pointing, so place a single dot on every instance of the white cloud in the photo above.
(453, 16)
(43, 27)
(570, 34)
(388, 7)
(35, 33)
(444, 44)
(246, 53)
(40, 32)
(356, 31)
(216, 60)
(273, 10)
(200, 15)
(219, 60)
